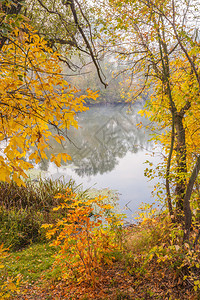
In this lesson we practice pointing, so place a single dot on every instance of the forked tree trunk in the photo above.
(186, 200)
(183, 189)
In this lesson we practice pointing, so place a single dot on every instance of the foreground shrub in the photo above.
(87, 238)
(158, 242)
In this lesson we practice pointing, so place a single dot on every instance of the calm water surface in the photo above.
(108, 151)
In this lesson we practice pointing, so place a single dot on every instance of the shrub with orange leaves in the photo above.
(87, 237)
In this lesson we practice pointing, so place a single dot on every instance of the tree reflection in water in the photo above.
(105, 136)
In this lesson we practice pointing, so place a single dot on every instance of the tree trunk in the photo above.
(186, 203)
(181, 169)
(167, 181)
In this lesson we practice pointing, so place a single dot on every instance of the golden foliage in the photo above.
(86, 237)
(34, 95)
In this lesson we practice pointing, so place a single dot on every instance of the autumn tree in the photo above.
(157, 41)
(34, 96)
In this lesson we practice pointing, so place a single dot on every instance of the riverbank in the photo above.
(105, 102)
(129, 277)
(110, 262)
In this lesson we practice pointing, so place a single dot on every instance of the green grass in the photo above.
(33, 264)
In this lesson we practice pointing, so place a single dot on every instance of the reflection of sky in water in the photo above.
(127, 178)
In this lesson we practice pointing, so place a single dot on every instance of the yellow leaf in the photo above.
(65, 157)
(43, 155)
(141, 112)
(56, 159)
(47, 225)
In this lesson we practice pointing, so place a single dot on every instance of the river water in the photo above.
(109, 151)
